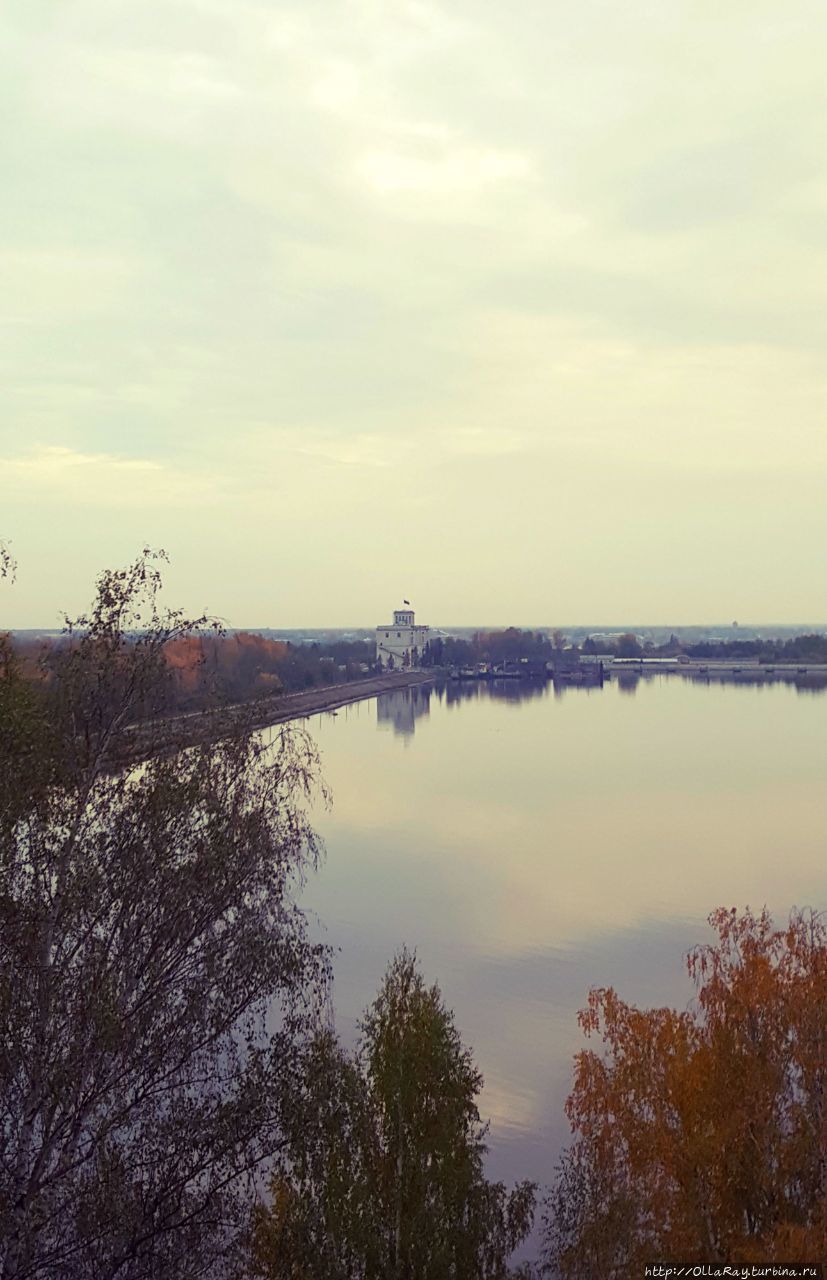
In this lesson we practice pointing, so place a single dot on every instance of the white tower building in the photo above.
(399, 644)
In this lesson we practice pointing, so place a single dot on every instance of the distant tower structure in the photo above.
(399, 644)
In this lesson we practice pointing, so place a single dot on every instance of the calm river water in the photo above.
(530, 847)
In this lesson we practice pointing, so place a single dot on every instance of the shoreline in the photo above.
(176, 733)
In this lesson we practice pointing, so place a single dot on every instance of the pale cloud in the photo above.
(482, 442)
(60, 282)
(361, 449)
(454, 170)
(52, 474)
(376, 274)
(337, 87)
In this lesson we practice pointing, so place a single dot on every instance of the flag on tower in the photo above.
(406, 602)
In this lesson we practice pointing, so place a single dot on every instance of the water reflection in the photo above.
(529, 846)
(805, 682)
(399, 709)
(501, 690)
(626, 680)
(814, 682)
(811, 684)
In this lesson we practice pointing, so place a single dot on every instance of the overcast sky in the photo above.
(517, 310)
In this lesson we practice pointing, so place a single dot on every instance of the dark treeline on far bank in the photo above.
(213, 667)
(175, 1102)
(514, 644)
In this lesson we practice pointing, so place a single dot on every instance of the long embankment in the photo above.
(174, 733)
(296, 706)
(719, 667)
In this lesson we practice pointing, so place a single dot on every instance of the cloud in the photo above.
(54, 473)
(59, 283)
(369, 450)
(455, 169)
(416, 258)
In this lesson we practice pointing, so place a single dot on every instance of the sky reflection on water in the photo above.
(529, 847)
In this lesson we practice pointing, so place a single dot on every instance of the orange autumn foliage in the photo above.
(248, 663)
(185, 657)
(240, 665)
(264, 649)
(702, 1136)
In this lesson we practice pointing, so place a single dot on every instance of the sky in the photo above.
(517, 312)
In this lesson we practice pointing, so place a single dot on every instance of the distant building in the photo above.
(399, 644)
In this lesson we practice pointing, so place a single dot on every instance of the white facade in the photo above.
(399, 644)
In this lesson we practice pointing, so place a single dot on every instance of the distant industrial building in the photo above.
(401, 643)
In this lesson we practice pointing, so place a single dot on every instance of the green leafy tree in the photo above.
(433, 653)
(628, 646)
(384, 1172)
(148, 932)
(510, 646)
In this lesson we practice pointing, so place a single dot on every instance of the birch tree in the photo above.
(383, 1177)
(154, 966)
